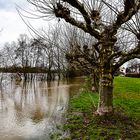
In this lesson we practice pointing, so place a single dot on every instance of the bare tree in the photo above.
(102, 19)
(23, 50)
(133, 66)
(78, 46)
(54, 50)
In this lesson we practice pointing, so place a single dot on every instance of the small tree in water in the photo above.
(113, 24)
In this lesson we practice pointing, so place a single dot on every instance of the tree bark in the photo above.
(105, 105)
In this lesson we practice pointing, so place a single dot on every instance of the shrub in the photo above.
(137, 75)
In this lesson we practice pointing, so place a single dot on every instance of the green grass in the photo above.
(127, 95)
(124, 124)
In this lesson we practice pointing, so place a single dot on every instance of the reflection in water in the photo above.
(31, 110)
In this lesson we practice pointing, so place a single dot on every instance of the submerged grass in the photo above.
(122, 125)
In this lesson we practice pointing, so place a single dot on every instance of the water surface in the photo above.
(32, 110)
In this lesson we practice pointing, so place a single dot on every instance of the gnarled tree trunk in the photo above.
(105, 105)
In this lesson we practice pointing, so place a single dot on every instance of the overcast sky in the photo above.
(11, 23)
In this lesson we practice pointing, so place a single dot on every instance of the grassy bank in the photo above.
(123, 125)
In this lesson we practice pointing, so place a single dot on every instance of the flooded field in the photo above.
(32, 110)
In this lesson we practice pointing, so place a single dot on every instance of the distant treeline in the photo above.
(68, 73)
(24, 70)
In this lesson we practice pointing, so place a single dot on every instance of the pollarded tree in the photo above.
(104, 20)
(79, 46)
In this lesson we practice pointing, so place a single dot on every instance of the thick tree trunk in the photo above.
(105, 105)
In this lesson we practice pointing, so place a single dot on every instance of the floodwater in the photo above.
(33, 110)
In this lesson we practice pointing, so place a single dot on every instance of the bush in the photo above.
(133, 75)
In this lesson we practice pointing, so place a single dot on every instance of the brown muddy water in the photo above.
(32, 110)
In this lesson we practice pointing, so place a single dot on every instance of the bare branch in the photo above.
(124, 57)
(63, 12)
(130, 9)
(80, 7)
